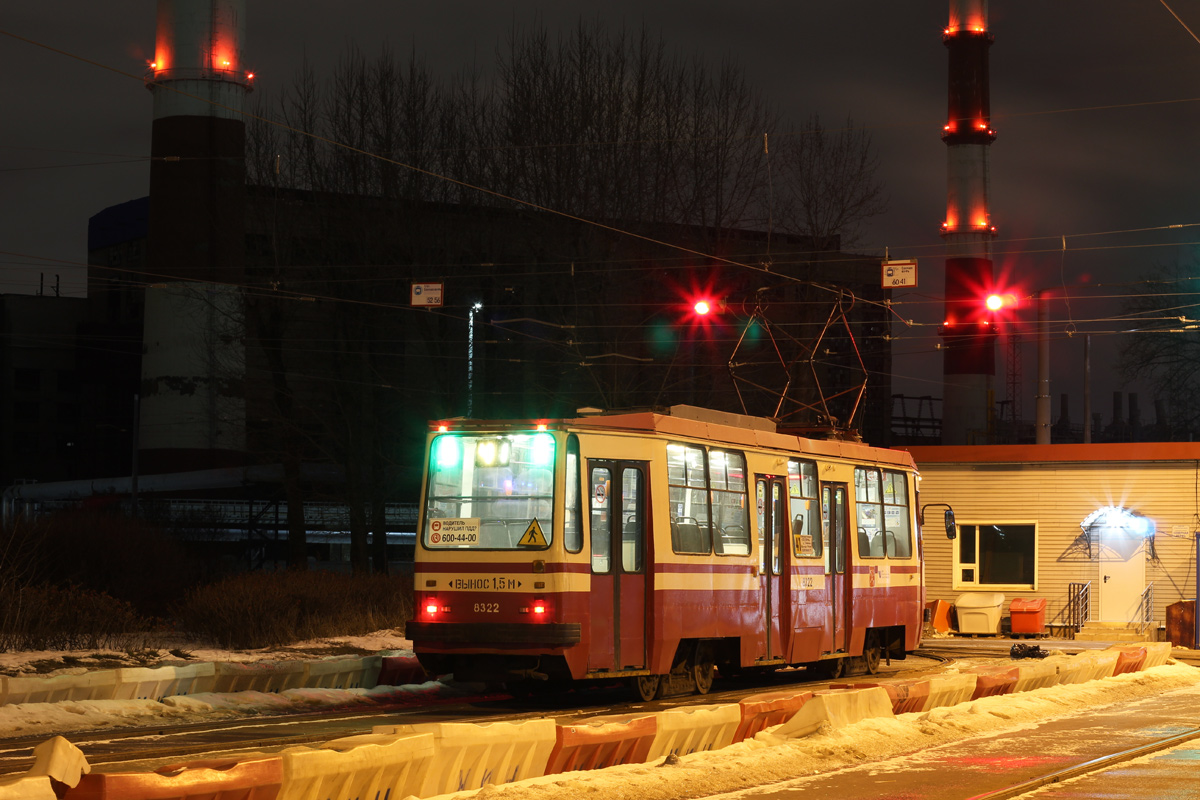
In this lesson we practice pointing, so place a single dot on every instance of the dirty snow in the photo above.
(33, 719)
(389, 642)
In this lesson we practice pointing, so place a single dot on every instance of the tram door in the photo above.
(771, 496)
(619, 514)
(834, 531)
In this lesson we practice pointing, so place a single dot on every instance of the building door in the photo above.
(771, 498)
(835, 532)
(619, 528)
(1122, 572)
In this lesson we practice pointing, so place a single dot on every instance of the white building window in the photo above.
(996, 555)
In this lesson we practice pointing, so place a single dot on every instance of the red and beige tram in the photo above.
(659, 546)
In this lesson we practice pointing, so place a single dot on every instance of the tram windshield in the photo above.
(490, 491)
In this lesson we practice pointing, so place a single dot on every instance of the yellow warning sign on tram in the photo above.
(533, 536)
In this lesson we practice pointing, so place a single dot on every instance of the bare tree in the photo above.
(827, 185)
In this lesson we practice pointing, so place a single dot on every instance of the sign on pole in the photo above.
(900, 274)
(426, 294)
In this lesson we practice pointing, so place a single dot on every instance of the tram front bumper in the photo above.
(516, 634)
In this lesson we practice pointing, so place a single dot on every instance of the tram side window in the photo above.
(869, 513)
(802, 487)
(881, 503)
(731, 512)
(573, 520)
(601, 483)
(896, 515)
(687, 493)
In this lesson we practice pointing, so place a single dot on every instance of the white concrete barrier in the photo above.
(695, 729)
(59, 759)
(1070, 669)
(368, 766)
(26, 787)
(155, 683)
(1035, 675)
(258, 676)
(1100, 664)
(343, 673)
(837, 708)
(950, 690)
(98, 685)
(1157, 654)
(146, 683)
(470, 756)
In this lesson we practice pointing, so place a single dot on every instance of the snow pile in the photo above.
(768, 759)
(32, 719)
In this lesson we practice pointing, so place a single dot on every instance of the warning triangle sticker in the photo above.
(533, 536)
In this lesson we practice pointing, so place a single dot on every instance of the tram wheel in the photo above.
(649, 687)
(829, 669)
(703, 673)
(871, 653)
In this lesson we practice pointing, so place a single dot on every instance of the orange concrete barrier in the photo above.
(992, 681)
(255, 777)
(939, 615)
(601, 742)
(906, 696)
(1129, 659)
(762, 711)
(401, 671)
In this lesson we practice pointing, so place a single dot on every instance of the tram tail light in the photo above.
(539, 607)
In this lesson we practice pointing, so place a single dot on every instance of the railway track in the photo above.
(1094, 767)
(150, 747)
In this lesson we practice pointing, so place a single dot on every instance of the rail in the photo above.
(1145, 612)
(1079, 604)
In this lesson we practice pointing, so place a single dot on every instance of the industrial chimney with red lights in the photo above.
(968, 338)
(192, 414)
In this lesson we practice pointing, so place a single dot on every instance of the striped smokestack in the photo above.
(969, 352)
(192, 414)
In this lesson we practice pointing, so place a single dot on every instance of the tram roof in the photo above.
(738, 429)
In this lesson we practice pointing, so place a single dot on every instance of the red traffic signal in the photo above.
(703, 307)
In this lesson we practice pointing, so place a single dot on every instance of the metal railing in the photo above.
(1145, 612)
(1079, 604)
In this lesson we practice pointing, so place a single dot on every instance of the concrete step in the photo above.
(1111, 632)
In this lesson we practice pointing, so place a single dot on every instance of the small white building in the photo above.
(1116, 523)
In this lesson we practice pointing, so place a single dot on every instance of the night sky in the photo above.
(1096, 106)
